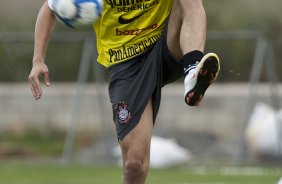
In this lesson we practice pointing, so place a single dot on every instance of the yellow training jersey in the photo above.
(127, 28)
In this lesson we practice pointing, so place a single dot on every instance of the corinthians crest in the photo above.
(123, 114)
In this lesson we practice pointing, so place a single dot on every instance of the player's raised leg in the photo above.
(136, 149)
(186, 41)
(187, 27)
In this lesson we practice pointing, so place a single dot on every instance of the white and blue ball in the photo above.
(76, 13)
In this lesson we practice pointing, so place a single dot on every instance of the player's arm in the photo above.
(43, 29)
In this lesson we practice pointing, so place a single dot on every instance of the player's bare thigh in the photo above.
(136, 144)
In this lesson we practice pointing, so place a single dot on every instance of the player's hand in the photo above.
(38, 69)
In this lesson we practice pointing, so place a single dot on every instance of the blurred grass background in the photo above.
(54, 174)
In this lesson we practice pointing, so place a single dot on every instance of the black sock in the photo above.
(191, 58)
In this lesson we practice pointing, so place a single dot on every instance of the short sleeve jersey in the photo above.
(127, 28)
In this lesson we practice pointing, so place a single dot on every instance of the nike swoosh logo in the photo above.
(194, 75)
(122, 20)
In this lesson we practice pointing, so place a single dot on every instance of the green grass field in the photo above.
(77, 174)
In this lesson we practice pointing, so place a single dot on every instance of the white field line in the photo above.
(257, 171)
(250, 171)
(210, 183)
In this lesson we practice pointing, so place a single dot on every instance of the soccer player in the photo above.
(144, 44)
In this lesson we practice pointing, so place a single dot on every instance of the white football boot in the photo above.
(198, 78)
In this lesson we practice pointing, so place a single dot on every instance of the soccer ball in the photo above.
(76, 13)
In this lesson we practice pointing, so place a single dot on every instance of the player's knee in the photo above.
(188, 7)
(134, 167)
(190, 4)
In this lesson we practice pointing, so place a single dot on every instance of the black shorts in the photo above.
(133, 83)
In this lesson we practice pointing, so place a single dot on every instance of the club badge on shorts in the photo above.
(123, 114)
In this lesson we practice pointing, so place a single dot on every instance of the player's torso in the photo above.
(127, 28)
